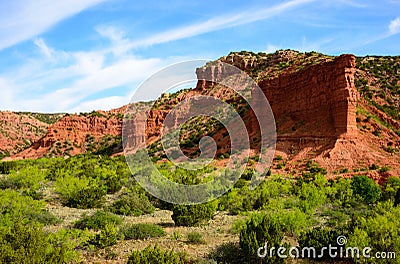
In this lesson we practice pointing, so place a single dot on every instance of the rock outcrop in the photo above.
(75, 134)
(18, 131)
(322, 94)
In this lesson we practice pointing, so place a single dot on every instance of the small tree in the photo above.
(366, 189)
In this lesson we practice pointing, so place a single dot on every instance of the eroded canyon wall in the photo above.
(322, 94)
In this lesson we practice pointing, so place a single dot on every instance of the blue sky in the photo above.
(81, 55)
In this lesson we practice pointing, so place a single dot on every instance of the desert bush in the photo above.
(318, 238)
(112, 182)
(81, 193)
(35, 195)
(155, 255)
(132, 204)
(29, 244)
(195, 238)
(379, 230)
(227, 253)
(107, 237)
(310, 197)
(314, 168)
(176, 235)
(272, 188)
(19, 208)
(365, 189)
(237, 199)
(392, 185)
(142, 231)
(192, 215)
(342, 193)
(97, 221)
(257, 231)
(89, 197)
(30, 177)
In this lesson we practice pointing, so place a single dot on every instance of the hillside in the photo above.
(97, 132)
(19, 130)
(341, 112)
(319, 111)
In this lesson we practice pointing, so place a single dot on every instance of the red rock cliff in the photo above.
(322, 94)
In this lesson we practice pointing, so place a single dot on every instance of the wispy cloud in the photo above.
(220, 22)
(75, 80)
(58, 80)
(46, 51)
(22, 20)
(392, 29)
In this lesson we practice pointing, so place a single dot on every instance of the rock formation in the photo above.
(313, 98)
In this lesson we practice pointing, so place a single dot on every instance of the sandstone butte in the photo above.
(315, 109)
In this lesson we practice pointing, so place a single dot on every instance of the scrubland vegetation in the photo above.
(283, 210)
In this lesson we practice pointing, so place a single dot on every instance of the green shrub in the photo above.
(81, 193)
(379, 230)
(176, 235)
(112, 182)
(366, 189)
(30, 177)
(314, 168)
(392, 184)
(192, 215)
(155, 255)
(248, 174)
(374, 167)
(195, 238)
(35, 195)
(318, 238)
(97, 221)
(132, 204)
(29, 244)
(227, 253)
(257, 231)
(342, 193)
(20, 208)
(384, 169)
(142, 231)
(90, 197)
(310, 197)
(107, 237)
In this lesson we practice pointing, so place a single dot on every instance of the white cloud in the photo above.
(120, 44)
(23, 20)
(46, 51)
(392, 29)
(128, 72)
(220, 22)
(394, 26)
(71, 78)
(74, 81)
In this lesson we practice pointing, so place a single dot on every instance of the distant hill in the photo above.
(19, 130)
